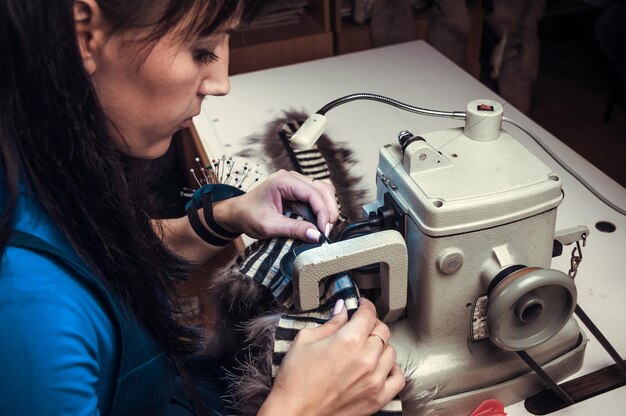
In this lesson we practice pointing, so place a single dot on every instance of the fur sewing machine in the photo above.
(455, 251)
(465, 247)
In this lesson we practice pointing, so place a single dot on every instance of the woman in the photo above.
(87, 281)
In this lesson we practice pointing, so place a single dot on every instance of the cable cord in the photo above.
(350, 228)
(459, 115)
(564, 165)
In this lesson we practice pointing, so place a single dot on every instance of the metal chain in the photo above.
(577, 257)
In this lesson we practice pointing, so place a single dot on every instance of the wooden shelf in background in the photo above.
(310, 39)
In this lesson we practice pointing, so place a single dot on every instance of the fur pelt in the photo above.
(338, 157)
(392, 22)
(253, 378)
(251, 381)
(515, 58)
(239, 300)
(249, 312)
(449, 28)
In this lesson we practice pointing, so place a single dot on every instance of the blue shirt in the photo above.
(58, 347)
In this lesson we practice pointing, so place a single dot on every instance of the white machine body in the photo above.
(476, 201)
(475, 204)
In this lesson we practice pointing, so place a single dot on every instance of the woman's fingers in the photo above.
(364, 320)
(394, 384)
(330, 199)
(323, 201)
(293, 186)
(280, 225)
(353, 371)
(259, 213)
(380, 334)
(339, 319)
(387, 376)
(386, 363)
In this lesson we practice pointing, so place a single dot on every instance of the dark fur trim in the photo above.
(414, 396)
(338, 157)
(239, 300)
(253, 379)
(249, 312)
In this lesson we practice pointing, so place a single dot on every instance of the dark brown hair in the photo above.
(54, 140)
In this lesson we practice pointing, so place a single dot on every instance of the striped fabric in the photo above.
(262, 263)
(309, 162)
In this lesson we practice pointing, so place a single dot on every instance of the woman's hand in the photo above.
(259, 213)
(339, 368)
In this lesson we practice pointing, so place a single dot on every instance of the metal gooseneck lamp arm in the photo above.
(314, 127)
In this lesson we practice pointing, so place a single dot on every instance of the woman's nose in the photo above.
(214, 87)
(215, 78)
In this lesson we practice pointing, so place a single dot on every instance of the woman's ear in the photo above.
(89, 31)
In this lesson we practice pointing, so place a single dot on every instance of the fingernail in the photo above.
(329, 227)
(338, 307)
(313, 235)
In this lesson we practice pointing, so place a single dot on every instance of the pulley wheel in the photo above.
(529, 306)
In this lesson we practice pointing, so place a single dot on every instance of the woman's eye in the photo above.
(204, 56)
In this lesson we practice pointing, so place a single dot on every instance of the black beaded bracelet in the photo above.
(204, 197)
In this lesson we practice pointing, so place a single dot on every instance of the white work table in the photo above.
(416, 74)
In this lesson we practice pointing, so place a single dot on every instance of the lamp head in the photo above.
(307, 135)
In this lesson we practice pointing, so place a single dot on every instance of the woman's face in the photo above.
(150, 92)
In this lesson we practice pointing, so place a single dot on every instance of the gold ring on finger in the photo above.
(381, 339)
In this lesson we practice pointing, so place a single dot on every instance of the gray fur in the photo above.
(239, 299)
(251, 388)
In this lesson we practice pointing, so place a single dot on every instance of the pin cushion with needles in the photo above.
(221, 179)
